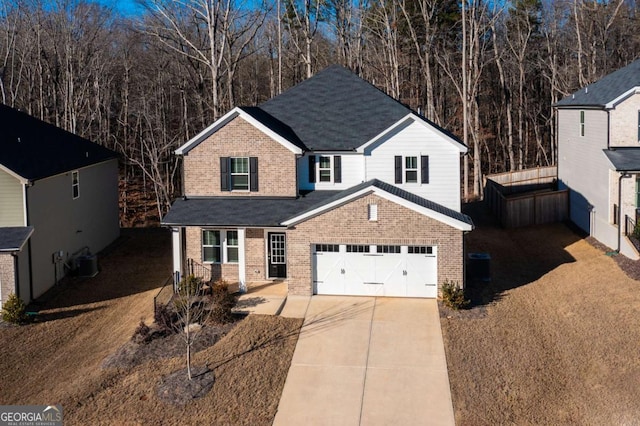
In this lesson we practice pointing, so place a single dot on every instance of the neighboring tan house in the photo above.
(599, 156)
(58, 200)
(332, 186)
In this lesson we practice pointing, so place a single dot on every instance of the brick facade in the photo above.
(349, 224)
(7, 277)
(238, 138)
(255, 257)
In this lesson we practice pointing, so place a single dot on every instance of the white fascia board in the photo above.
(193, 142)
(14, 174)
(384, 194)
(411, 116)
(614, 102)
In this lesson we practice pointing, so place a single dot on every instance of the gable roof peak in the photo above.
(607, 91)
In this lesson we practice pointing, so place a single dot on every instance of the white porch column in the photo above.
(176, 240)
(242, 267)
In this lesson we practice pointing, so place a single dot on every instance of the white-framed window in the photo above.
(581, 123)
(239, 173)
(232, 247)
(410, 169)
(75, 184)
(219, 246)
(324, 168)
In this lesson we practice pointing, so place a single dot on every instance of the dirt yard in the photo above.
(60, 358)
(553, 339)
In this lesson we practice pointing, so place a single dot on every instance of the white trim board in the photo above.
(383, 194)
(225, 119)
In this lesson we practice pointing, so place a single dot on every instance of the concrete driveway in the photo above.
(366, 361)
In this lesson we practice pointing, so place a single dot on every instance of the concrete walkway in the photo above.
(367, 361)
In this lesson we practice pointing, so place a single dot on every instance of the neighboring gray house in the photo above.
(332, 186)
(58, 199)
(599, 156)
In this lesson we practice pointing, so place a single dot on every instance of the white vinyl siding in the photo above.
(416, 140)
(352, 168)
(11, 201)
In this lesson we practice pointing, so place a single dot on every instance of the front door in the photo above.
(277, 256)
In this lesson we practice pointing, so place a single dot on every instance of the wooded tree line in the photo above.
(142, 85)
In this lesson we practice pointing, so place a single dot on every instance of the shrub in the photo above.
(222, 302)
(14, 310)
(453, 296)
(190, 285)
(142, 333)
(636, 230)
(165, 318)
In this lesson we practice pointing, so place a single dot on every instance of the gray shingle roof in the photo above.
(335, 110)
(394, 190)
(624, 159)
(240, 211)
(273, 211)
(34, 149)
(13, 238)
(606, 89)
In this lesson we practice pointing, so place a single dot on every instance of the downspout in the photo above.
(26, 209)
(16, 273)
(608, 129)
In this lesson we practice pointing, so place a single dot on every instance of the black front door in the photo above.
(277, 256)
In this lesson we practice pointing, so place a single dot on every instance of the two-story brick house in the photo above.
(599, 156)
(332, 186)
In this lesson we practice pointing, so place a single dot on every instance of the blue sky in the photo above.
(126, 7)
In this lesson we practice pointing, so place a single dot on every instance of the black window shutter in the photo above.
(337, 169)
(398, 169)
(253, 174)
(424, 168)
(312, 168)
(224, 173)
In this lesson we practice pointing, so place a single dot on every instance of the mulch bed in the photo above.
(630, 267)
(132, 354)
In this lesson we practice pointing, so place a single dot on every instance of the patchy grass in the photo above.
(553, 339)
(61, 357)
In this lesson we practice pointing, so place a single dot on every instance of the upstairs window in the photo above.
(325, 168)
(409, 170)
(581, 123)
(75, 184)
(239, 174)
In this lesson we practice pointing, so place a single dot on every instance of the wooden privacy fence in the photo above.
(526, 197)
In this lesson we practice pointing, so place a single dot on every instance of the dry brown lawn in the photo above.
(553, 339)
(59, 358)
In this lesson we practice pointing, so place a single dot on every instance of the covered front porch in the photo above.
(624, 196)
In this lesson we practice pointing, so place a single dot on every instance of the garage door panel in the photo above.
(411, 272)
(328, 268)
(422, 275)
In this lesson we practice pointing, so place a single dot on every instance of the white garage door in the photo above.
(375, 270)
